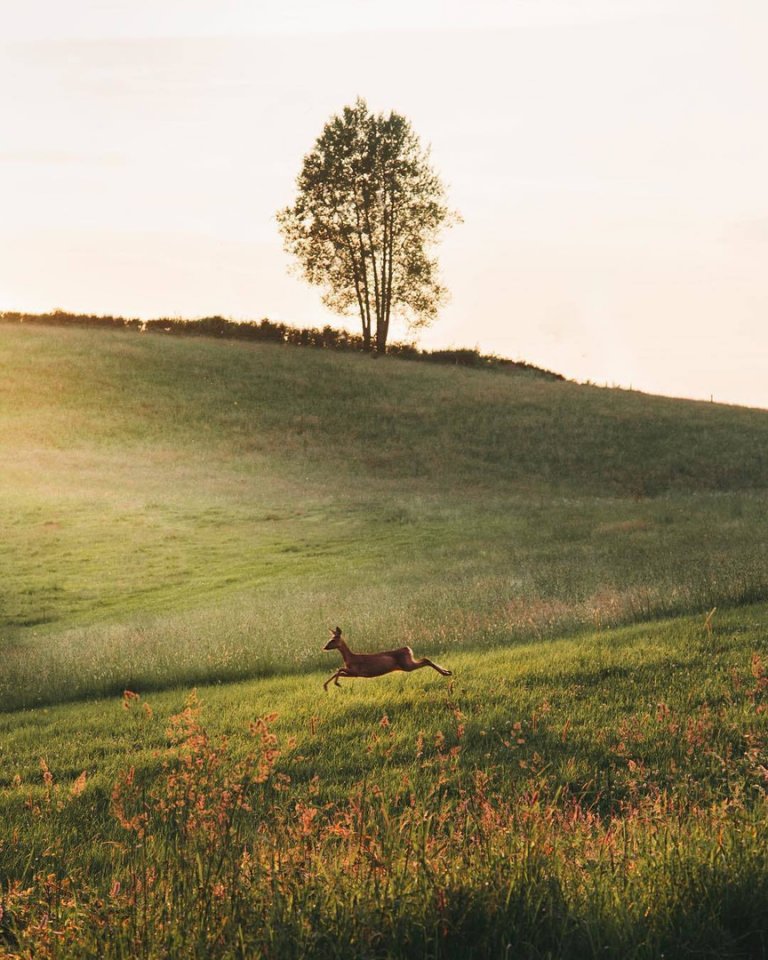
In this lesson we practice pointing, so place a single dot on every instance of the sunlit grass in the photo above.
(590, 782)
(565, 797)
(174, 511)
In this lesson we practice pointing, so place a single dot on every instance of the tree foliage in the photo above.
(368, 210)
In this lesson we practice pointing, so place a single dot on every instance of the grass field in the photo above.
(180, 513)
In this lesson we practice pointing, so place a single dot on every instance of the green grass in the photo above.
(572, 797)
(211, 507)
(591, 682)
(193, 512)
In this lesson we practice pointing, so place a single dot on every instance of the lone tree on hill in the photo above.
(369, 208)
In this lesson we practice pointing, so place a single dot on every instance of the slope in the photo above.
(181, 510)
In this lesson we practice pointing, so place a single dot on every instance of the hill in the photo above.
(158, 488)
(590, 782)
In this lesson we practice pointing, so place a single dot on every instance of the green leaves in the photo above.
(368, 210)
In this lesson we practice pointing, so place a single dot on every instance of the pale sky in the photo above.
(609, 157)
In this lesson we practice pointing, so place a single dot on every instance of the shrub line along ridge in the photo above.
(327, 338)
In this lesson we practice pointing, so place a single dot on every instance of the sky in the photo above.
(609, 159)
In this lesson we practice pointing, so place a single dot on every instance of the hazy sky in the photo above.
(609, 157)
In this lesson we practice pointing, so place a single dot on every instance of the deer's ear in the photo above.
(337, 631)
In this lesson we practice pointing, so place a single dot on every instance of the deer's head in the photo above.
(333, 643)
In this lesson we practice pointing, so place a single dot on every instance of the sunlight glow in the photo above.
(606, 156)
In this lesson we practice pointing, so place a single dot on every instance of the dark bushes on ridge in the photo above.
(327, 338)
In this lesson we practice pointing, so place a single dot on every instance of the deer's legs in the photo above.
(424, 662)
(341, 672)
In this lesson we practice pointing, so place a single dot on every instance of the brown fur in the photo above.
(374, 664)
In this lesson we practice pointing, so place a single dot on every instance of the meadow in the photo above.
(195, 513)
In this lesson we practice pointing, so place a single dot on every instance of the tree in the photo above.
(369, 208)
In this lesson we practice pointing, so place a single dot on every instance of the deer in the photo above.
(374, 664)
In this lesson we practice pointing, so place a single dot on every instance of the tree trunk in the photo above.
(382, 319)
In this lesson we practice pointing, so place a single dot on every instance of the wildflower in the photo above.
(79, 785)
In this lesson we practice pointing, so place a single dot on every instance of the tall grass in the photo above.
(228, 849)
(438, 605)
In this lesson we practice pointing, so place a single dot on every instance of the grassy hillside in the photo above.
(591, 781)
(175, 511)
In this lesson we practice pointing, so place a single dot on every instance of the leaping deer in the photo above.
(374, 664)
